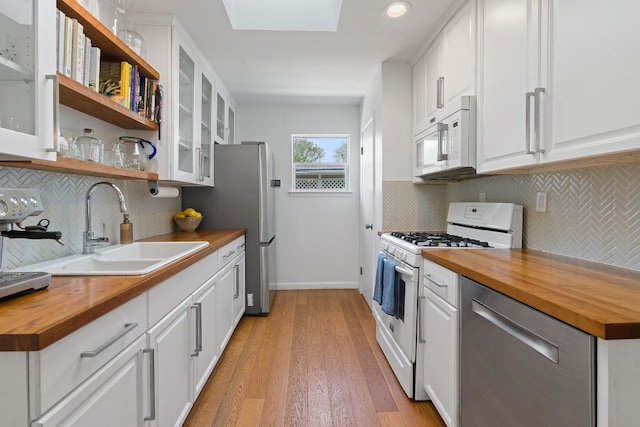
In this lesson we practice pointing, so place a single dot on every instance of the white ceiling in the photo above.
(305, 66)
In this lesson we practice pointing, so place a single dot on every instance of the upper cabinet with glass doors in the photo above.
(186, 132)
(225, 117)
(27, 79)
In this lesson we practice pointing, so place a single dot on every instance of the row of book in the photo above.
(118, 80)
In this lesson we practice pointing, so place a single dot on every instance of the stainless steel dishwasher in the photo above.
(521, 367)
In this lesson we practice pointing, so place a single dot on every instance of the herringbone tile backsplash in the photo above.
(593, 214)
(63, 198)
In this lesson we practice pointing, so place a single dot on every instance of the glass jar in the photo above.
(134, 158)
(113, 154)
(90, 148)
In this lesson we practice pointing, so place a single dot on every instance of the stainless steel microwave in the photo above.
(447, 149)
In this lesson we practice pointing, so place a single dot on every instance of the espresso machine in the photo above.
(16, 204)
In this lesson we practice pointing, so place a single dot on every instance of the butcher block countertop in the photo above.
(601, 300)
(32, 322)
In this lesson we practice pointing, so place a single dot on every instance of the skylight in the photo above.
(284, 15)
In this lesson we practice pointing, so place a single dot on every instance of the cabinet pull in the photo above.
(525, 336)
(199, 172)
(152, 383)
(440, 93)
(428, 277)
(128, 327)
(198, 308)
(236, 271)
(56, 111)
(421, 339)
(527, 114)
(228, 254)
(536, 118)
(442, 128)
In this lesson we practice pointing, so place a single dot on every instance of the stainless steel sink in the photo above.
(132, 259)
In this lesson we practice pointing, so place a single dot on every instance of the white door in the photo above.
(27, 57)
(592, 79)
(224, 303)
(508, 52)
(113, 396)
(441, 357)
(206, 355)
(458, 54)
(207, 123)
(171, 341)
(368, 241)
(239, 293)
(433, 70)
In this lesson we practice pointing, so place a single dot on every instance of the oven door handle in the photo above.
(405, 272)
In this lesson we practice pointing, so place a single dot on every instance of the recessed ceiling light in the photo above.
(396, 9)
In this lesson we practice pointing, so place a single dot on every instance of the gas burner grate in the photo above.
(440, 240)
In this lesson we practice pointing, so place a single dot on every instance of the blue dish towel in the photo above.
(377, 290)
(389, 288)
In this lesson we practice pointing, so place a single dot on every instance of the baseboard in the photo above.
(315, 285)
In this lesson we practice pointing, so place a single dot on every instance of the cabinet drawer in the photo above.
(168, 294)
(442, 282)
(59, 368)
(229, 251)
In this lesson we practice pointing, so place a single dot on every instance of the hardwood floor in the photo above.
(313, 361)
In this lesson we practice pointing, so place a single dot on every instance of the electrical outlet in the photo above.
(541, 201)
(482, 197)
(250, 300)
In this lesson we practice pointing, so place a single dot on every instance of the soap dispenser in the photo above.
(126, 230)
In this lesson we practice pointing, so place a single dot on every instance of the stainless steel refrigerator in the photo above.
(242, 197)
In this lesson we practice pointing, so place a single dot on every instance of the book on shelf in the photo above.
(77, 62)
(87, 61)
(60, 31)
(94, 68)
(68, 46)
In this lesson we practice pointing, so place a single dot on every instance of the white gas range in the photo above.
(401, 333)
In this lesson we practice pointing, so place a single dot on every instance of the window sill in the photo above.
(304, 194)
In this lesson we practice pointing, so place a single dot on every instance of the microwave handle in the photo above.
(442, 128)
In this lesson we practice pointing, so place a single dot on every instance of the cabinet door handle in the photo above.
(428, 277)
(442, 129)
(536, 118)
(440, 93)
(199, 172)
(198, 308)
(152, 383)
(56, 111)
(421, 339)
(517, 331)
(236, 271)
(228, 254)
(128, 327)
(527, 114)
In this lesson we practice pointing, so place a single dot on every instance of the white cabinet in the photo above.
(239, 294)
(171, 342)
(207, 348)
(27, 58)
(447, 69)
(441, 371)
(225, 307)
(112, 397)
(553, 86)
(225, 117)
(185, 142)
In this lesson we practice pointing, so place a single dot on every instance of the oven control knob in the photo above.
(392, 250)
(402, 256)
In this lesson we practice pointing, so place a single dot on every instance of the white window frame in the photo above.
(318, 165)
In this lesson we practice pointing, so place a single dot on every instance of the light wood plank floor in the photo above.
(313, 361)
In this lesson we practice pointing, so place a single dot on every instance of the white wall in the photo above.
(316, 235)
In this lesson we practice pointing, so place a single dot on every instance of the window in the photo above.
(320, 163)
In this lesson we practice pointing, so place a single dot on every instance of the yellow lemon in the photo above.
(189, 211)
(198, 214)
(180, 215)
(192, 213)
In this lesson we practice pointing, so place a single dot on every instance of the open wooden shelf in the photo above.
(84, 99)
(111, 47)
(79, 97)
(82, 167)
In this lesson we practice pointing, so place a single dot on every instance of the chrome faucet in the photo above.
(90, 241)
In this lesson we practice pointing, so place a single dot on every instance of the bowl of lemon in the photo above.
(188, 219)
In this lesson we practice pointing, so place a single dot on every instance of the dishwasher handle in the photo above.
(519, 332)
